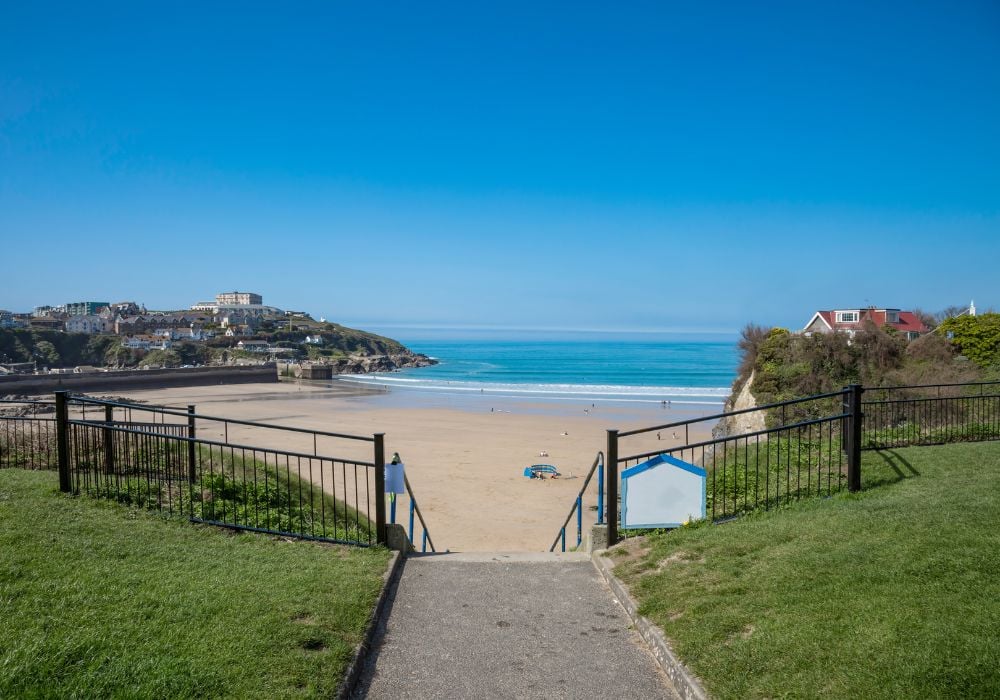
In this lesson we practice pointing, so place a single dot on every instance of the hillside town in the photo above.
(236, 327)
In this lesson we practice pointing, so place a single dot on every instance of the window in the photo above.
(892, 317)
(847, 317)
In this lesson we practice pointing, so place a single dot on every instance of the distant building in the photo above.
(126, 308)
(88, 324)
(229, 298)
(314, 340)
(85, 308)
(46, 324)
(850, 321)
(146, 342)
(219, 311)
(254, 345)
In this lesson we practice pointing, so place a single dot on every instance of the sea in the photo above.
(618, 368)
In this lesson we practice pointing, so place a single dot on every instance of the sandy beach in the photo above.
(464, 456)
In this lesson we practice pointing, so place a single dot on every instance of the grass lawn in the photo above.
(100, 600)
(893, 592)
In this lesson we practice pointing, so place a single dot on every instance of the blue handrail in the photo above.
(578, 505)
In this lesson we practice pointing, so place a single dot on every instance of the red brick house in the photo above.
(851, 321)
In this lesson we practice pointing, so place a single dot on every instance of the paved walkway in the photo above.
(507, 626)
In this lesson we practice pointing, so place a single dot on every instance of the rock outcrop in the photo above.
(363, 364)
(743, 423)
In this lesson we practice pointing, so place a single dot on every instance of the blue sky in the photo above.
(644, 166)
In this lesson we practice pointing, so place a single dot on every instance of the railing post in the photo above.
(109, 437)
(192, 433)
(380, 536)
(412, 504)
(854, 438)
(62, 441)
(600, 491)
(612, 463)
(579, 520)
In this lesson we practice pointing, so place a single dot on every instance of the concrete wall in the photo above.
(137, 379)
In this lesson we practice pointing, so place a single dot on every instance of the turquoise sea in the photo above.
(609, 368)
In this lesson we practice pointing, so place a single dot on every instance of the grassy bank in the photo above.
(99, 599)
(893, 592)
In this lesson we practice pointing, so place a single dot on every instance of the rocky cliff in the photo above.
(363, 364)
(745, 422)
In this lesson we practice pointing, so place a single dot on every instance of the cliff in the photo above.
(745, 422)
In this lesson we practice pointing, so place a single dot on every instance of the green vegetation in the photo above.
(100, 600)
(55, 348)
(161, 358)
(787, 366)
(892, 592)
(746, 475)
(976, 337)
(339, 340)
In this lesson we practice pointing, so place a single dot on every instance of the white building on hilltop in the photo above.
(229, 298)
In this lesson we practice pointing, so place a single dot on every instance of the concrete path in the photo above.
(507, 626)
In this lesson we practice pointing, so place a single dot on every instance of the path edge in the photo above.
(353, 673)
(685, 682)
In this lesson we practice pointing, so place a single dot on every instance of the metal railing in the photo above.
(173, 467)
(930, 414)
(577, 507)
(809, 446)
(27, 434)
(414, 510)
(757, 469)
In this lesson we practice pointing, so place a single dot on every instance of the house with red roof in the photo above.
(850, 321)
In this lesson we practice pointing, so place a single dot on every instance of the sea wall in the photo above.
(34, 384)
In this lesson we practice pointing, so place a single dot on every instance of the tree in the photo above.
(161, 358)
(976, 337)
(47, 353)
(749, 343)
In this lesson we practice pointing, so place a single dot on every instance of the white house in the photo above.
(91, 323)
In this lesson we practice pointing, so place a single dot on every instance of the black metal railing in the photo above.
(175, 468)
(930, 414)
(760, 468)
(806, 447)
(27, 434)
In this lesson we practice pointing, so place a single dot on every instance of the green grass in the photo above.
(100, 600)
(893, 592)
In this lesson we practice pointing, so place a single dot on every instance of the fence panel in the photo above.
(164, 466)
(799, 452)
(930, 415)
(27, 434)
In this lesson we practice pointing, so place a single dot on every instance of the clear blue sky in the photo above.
(654, 165)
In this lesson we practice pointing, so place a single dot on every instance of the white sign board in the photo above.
(394, 482)
(662, 492)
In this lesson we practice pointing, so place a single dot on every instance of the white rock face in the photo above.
(745, 422)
